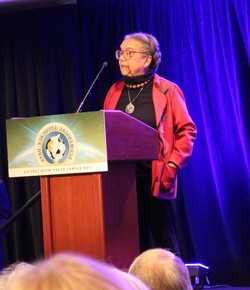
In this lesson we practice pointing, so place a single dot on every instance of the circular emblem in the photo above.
(55, 144)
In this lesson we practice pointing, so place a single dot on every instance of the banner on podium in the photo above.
(57, 144)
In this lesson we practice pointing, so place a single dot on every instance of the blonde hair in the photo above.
(160, 269)
(151, 46)
(13, 271)
(67, 271)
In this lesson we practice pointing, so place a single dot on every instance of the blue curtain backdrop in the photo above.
(48, 60)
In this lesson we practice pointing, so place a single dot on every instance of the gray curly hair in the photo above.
(151, 46)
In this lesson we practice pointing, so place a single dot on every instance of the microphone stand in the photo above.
(27, 205)
(82, 102)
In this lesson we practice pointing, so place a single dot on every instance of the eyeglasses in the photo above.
(127, 54)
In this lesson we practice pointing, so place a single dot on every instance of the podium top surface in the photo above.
(128, 138)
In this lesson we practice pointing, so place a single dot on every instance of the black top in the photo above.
(144, 109)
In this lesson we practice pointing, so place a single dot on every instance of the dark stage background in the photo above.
(50, 55)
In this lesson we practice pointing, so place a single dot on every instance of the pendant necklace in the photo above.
(130, 108)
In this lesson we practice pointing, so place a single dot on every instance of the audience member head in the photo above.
(13, 271)
(160, 270)
(66, 271)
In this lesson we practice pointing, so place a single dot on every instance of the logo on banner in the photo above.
(55, 144)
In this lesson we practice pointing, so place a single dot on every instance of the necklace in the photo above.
(130, 108)
(138, 85)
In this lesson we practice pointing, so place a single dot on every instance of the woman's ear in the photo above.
(148, 61)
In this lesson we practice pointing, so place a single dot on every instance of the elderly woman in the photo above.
(159, 103)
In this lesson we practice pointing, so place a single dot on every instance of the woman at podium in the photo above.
(159, 103)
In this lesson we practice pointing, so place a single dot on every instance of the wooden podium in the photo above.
(96, 213)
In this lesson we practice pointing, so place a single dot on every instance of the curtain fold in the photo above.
(48, 60)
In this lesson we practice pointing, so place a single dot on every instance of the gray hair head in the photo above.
(151, 46)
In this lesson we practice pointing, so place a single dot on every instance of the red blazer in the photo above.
(176, 133)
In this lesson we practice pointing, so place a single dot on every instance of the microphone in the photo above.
(82, 102)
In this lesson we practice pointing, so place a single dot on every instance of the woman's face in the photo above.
(139, 60)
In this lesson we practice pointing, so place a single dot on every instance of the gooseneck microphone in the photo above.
(82, 102)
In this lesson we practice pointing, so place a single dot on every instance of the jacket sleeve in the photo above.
(184, 129)
(176, 133)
